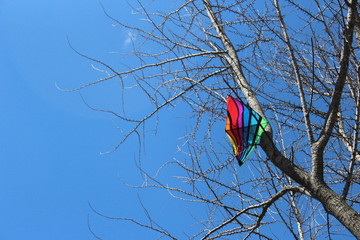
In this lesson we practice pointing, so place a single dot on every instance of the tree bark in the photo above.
(336, 206)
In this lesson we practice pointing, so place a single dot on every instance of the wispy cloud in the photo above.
(130, 38)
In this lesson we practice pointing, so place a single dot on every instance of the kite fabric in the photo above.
(244, 128)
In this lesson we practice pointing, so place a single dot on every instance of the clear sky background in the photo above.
(50, 142)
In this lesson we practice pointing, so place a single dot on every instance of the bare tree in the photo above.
(296, 65)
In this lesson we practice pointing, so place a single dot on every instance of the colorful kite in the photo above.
(244, 128)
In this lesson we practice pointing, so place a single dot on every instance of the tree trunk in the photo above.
(336, 206)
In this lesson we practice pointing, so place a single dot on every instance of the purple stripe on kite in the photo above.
(240, 107)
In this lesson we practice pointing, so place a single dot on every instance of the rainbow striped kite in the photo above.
(244, 128)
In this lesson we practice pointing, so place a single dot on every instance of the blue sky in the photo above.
(50, 166)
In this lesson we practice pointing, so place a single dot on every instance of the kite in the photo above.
(244, 128)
